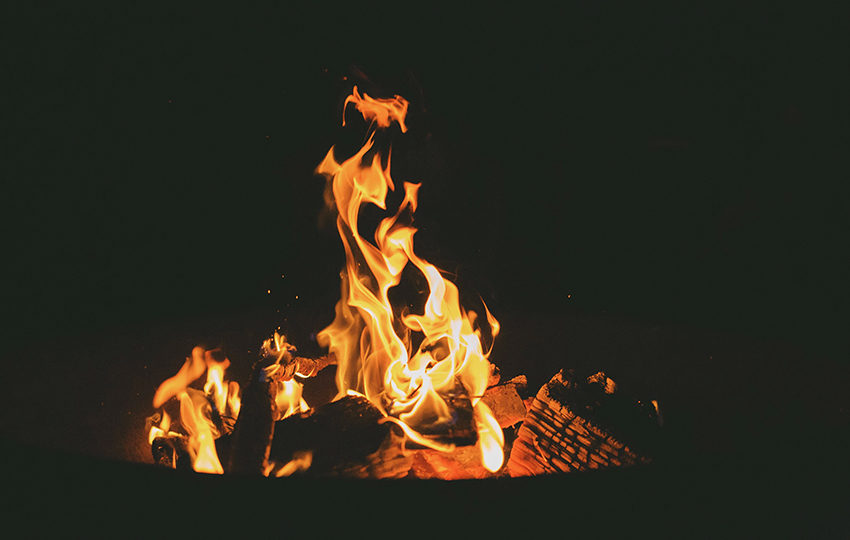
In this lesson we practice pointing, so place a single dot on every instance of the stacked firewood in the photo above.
(572, 424)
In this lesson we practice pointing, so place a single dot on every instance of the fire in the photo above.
(286, 390)
(405, 363)
(201, 435)
(195, 423)
(373, 344)
(162, 430)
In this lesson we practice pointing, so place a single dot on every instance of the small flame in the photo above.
(382, 111)
(162, 430)
(288, 398)
(300, 461)
(215, 386)
(234, 400)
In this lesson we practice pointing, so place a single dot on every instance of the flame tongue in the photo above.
(372, 344)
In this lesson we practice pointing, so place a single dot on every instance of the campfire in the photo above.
(417, 395)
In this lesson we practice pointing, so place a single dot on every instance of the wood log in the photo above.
(495, 376)
(343, 438)
(310, 367)
(254, 428)
(576, 424)
(171, 452)
(506, 401)
(171, 448)
(459, 429)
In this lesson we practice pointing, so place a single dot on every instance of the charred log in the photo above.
(576, 424)
(459, 429)
(252, 434)
(310, 367)
(343, 438)
(171, 452)
(506, 401)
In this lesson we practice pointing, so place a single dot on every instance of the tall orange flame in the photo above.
(372, 344)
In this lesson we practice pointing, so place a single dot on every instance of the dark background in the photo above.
(673, 164)
(655, 190)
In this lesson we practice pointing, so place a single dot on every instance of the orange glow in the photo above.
(370, 339)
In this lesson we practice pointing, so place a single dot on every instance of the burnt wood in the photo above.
(506, 401)
(345, 438)
(171, 452)
(575, 424)
(460, 428)
(252, 434)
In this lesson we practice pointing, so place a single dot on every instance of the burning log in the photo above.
(506, 401)
(254, 427)
(270, 396)
(344, 438)
(310, 367)
(571, 426)
(460, 428)
(508, 407)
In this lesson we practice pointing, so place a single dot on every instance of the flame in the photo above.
(288, 398)
(286, 390)
(300, 461)
(201, 438)
(162, 430)
(490, 438)
(215, 386)
(192, 369)
(381, 111)
(195, 421)
(234, 400)
(373, 345)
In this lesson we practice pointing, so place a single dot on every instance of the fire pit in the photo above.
(416, 393)
(677, 171)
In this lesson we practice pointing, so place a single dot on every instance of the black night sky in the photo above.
(676, 165)
(667, 167)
